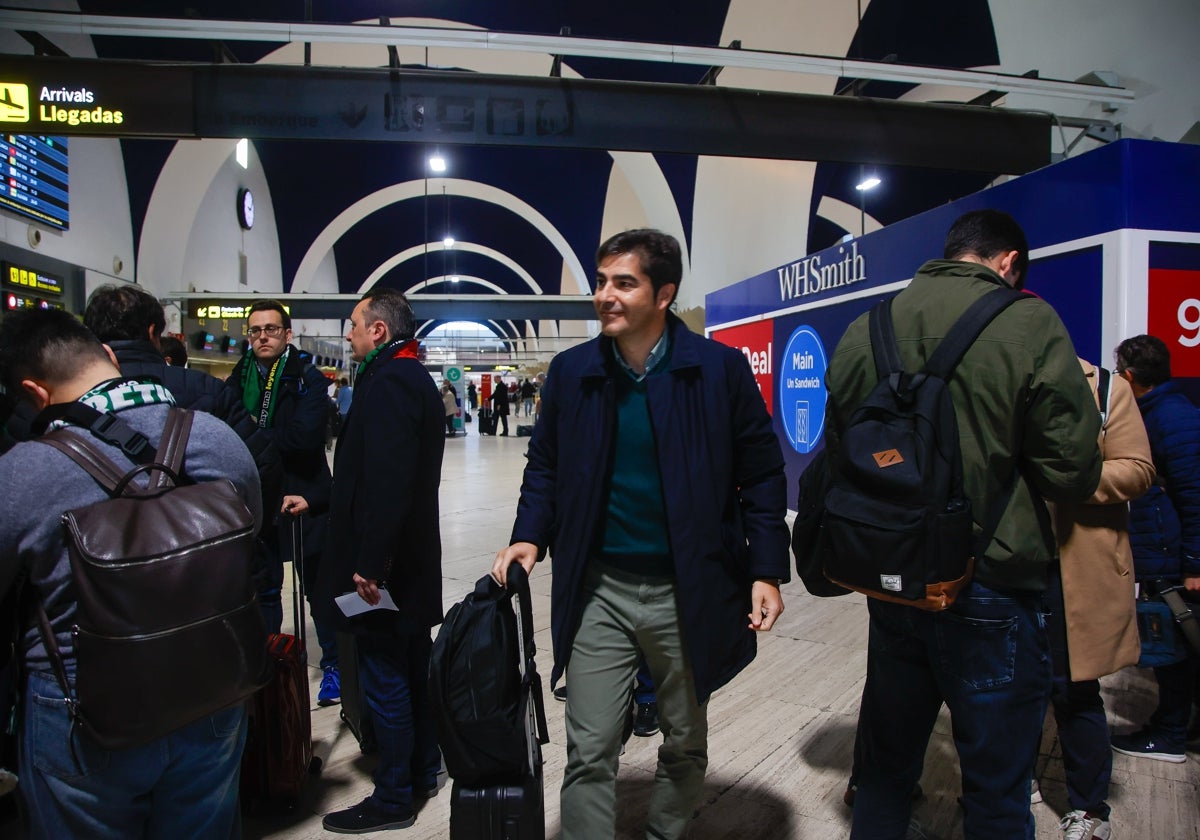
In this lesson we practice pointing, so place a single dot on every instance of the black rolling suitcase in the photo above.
(510, 806)
(487, 421)
(354, 711)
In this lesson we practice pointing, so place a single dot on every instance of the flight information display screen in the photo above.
(34, 170)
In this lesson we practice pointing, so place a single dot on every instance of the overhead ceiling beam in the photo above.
(455, 108)
(427, 307)
(365, 34)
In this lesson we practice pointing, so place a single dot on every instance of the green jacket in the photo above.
(1021, 401)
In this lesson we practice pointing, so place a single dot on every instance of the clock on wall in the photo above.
(245, 209)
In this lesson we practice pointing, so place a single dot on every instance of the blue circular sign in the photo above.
(802, 393)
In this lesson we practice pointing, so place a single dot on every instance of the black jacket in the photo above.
(198, 391)
(383, 518)
(298, 432)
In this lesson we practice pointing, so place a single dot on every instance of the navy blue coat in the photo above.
(723, 483)
(383, 514)
(1164, 524)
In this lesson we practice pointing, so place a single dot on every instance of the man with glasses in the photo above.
(286, 395)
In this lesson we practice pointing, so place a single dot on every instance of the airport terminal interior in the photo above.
(781, 734)
(809, 156)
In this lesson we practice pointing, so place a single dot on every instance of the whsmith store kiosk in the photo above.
(1114, 239)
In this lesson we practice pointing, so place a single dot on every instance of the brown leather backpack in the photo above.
(168, 628)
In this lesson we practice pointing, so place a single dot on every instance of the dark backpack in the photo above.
(483, 700)
(168, 628)
(898, 523)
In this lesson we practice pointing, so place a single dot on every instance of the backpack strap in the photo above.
(108, 427)
(89, 456)
(884, 347)
(172, 446)
(967, 328)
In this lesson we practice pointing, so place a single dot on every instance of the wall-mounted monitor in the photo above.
(34, 169)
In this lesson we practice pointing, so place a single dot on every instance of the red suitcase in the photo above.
(279, 756)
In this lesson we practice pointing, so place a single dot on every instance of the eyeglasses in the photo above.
(270, 329)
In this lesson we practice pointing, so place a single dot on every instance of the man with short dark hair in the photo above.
(1164, 530)
(283, 391)
(656, 480)
(184, 784)
(1028, 427)
(384, 532)
(131, 321)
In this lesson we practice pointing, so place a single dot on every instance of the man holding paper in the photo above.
(384, 544)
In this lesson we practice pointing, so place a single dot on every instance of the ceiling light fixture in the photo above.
(868, 184)
(437, 163)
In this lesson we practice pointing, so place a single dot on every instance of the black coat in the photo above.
(383, 517)
(198, 391)
(298, 432)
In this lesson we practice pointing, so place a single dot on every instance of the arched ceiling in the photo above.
(312, 184)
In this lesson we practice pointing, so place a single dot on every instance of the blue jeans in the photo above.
(643, 687)
(184, 785)
(987, 659)
(1079, 713)
(394, 669)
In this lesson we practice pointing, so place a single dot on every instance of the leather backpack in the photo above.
(168, 628)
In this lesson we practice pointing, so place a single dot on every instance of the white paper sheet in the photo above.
(351, 604)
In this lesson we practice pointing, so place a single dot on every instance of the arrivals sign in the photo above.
(80, 97)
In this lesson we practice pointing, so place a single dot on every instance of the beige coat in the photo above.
(1093, 539)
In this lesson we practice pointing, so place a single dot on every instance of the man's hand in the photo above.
(368, 590)
(1191, 583)
(295, 505)
(522, 552)
(766, 605)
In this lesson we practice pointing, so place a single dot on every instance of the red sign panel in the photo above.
(754, 340)
(1174, 316)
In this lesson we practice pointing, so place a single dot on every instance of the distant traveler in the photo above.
(500, 404)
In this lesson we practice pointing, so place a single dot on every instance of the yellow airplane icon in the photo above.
(14, 102)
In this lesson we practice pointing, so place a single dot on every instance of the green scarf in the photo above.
(117, 394)
(373, 355)
(258, 395)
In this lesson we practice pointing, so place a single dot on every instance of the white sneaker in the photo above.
(1078, 825)
(1035, 793)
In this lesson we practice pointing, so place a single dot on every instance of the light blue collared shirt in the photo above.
(657, 354)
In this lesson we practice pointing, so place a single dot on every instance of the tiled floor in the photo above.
(781, 733)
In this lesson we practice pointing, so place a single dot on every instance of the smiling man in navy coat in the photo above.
(657, 483)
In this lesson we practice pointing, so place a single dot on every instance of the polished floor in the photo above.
(781, 733)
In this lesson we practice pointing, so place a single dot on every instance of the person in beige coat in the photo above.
(1091, 621)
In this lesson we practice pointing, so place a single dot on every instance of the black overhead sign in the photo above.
(456, 107)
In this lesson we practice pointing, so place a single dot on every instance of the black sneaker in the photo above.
(1145, 744)
(364, 818)
(560, 694)
(646, 722)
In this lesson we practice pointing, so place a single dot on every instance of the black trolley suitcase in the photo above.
(511, 809)
(487, 421)
(354, 711)
(279, 747)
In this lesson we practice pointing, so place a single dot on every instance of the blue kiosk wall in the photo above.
(1114, 241)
